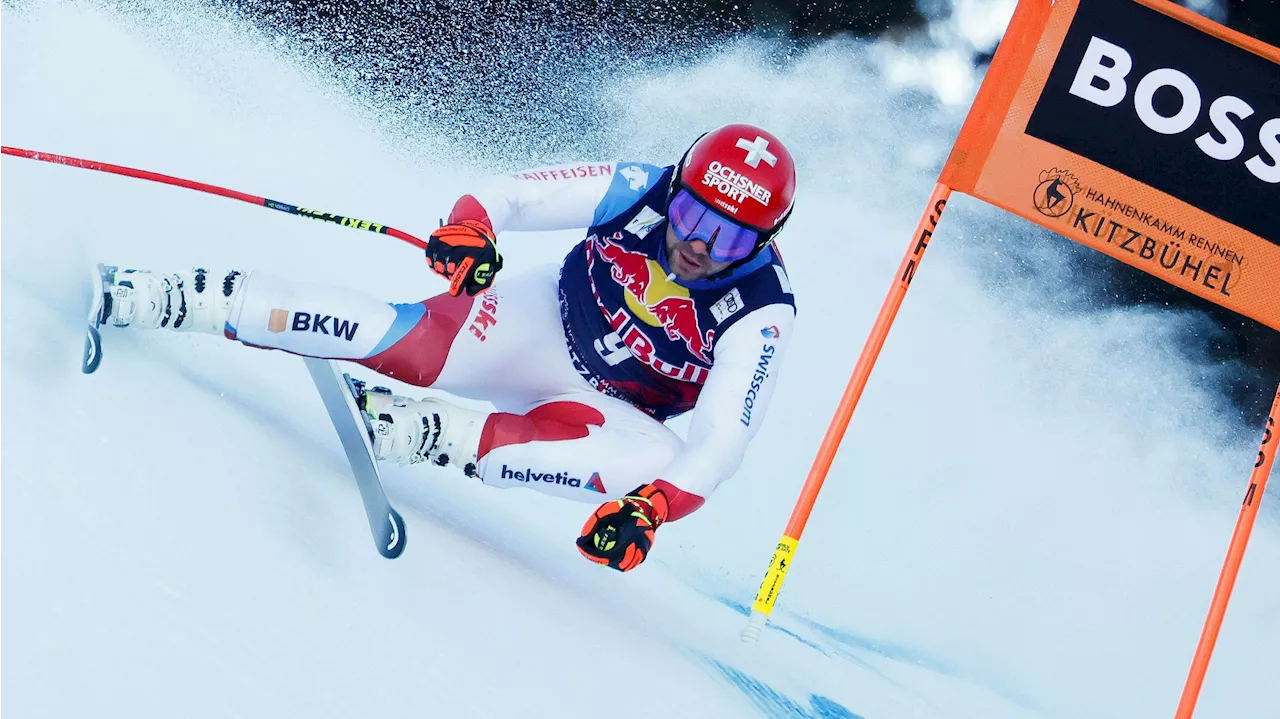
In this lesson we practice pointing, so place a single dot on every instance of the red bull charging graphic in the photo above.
(653, 300)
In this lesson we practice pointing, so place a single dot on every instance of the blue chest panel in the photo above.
(636, 334)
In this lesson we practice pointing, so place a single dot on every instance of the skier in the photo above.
(675, 301)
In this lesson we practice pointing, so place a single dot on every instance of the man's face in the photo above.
(689, 260)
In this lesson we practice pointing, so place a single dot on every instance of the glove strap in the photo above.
(651, 501)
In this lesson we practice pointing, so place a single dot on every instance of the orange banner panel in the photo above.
(1143, 131)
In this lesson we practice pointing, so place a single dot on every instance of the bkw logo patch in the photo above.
(324, 324)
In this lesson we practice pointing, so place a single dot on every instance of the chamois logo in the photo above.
(1056, 193)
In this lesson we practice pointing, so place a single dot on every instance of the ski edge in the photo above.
(98, 309)
(385, 522)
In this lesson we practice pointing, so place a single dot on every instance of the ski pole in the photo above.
(786, 548)
(215, 190)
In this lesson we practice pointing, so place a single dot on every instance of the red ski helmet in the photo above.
(734, 189)
(742, 173)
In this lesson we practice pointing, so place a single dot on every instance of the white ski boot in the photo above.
(195, 301)
(409, 431)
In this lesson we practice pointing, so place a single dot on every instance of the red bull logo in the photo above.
(679, 317)
(629, 269)
(653, 299)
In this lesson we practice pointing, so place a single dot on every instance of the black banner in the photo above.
(1170, 106)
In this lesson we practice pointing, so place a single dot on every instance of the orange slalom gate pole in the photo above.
(1231, 567)
(782, 555)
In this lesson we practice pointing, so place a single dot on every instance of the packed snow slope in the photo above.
(1026, 519)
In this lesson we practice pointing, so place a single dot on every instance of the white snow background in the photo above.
(1026, 519)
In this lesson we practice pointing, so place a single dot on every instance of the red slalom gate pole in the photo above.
(215, 190)
(1231, 567)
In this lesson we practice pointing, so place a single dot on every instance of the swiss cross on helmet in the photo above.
(742, 174)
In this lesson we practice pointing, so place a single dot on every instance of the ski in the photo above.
(338, 393)
(99, 310)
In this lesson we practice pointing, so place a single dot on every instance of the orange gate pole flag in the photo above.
(1144, 131)
(1132, 126)
(1147, 132)
(1231, 566)
(785, 551)
(1017, 44)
